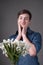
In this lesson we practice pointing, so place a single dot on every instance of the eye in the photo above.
(20, 18)
(26, 18)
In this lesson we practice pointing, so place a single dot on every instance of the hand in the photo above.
(19, 30)
(24, 30)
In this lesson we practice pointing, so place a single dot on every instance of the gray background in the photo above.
(8, 21)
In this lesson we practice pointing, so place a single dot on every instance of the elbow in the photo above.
(33, 54)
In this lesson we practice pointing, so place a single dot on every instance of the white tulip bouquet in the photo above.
(13, 49)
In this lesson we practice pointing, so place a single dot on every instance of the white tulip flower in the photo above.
(8, 41)
(4, 41)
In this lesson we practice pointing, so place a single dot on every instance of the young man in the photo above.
(31, 38)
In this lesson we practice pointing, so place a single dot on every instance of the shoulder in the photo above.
(37, 34)
(33, 34)
(13, 36)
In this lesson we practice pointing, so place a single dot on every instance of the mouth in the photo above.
(24, 23)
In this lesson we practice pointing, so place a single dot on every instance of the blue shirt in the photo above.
(35, 38)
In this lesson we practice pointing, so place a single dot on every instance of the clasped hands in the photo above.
(22, 31)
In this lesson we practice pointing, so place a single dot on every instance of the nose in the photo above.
(23, 20)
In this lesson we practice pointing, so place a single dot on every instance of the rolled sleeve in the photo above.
(37, 40)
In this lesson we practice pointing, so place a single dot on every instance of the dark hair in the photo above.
(23, 12)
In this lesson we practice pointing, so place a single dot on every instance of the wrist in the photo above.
(24, 36)
(18, 37)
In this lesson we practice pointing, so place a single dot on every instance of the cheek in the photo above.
(27, 24)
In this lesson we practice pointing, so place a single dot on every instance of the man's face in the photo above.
(24, 20)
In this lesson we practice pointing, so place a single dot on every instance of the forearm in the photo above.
(31, 49)
(18, 37)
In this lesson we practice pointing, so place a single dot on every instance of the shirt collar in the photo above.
(29, 31)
